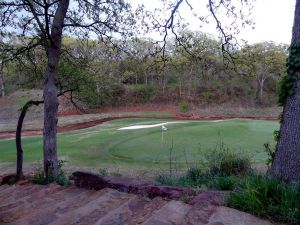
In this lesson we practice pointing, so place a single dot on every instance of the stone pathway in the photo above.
(59, 205)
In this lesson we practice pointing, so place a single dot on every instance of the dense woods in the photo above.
(192, 70)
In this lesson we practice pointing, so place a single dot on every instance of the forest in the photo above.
(192, 70)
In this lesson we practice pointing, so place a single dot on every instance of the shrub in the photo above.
(184, 106)
(206, 96)
(195, 177)
(267, 197)
(103, 172)
(144, 93)
(194, 173)
(223, 183)
(116, 174)
(40, 177)
(224, 162)
(270, 152)
(183, 181)
(10, 180)
(167, 180)
(198, 177)
(220, 171)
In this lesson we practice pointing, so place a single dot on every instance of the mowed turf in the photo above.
(106, 145)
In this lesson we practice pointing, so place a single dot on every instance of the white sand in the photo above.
(134, 127)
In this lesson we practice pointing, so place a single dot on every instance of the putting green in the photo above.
(150, 147)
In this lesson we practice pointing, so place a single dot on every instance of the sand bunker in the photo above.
(135, 127)
(215, 121)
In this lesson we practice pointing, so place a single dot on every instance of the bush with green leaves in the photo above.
(40, 177)
(221, 170)
(196, 178)
(270, 152)
(103, 172)
(226, 183)
(267, 197)
(144, 93)
(184, 106)
(182, 181)
(225, 162)
(206, 96)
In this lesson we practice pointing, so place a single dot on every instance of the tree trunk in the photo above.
(190, 78)
(19, 144)
(146, 79)
(180, 88)
(2, 86)
(18, 137)
(50, 91)
(286, 164)
(259, 91)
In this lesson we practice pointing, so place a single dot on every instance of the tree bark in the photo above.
(2, 86)
(286, 164)
(190, 90)
(50, 91)
(259, 90)
(19, 131)
(18, 137)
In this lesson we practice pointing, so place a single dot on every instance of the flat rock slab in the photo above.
(206, 198)
(130, 185)
(228, 216)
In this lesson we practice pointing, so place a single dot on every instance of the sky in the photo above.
(273, 19)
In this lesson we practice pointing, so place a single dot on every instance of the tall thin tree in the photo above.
(286, 164)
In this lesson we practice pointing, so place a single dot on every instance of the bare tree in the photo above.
(24, 110)
(44, 23)
(228, 16)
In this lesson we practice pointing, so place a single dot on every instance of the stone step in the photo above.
(172, 213)
(12, 198)
(94, 210)
(19, 191)
(56, 205)
(199, 215)
(3, 187)
(50, 213)
(36, 192)
(16, 211)
(10, 191)
(143, 209)
(228, 216)
(118, 215)
(11, 204)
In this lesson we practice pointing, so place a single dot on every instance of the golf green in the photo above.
(182, 141)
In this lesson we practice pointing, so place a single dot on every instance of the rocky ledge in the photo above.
(130, 185)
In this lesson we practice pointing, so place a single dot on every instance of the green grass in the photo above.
(105, 145)
(267, 197)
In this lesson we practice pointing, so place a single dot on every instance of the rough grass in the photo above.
(267, 197)
(105, 145)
